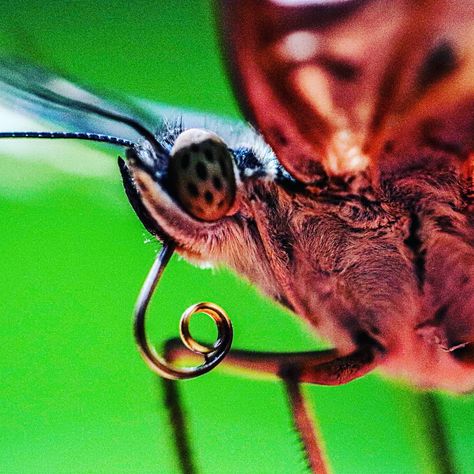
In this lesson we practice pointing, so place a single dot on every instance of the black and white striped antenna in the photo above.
(95, 137)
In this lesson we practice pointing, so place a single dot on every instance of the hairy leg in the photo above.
(318, 367)
(305, 427)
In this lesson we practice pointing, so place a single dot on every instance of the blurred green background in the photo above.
(75, 396)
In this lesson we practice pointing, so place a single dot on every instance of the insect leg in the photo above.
(250, 362)
(305, 427)
(431, 418)
(302, 419)
(177, 421)
(324, 367)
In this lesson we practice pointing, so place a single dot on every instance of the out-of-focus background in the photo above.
(74, 394)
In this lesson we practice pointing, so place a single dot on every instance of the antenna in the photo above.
(96, 137)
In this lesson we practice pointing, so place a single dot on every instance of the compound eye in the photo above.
(201, 174)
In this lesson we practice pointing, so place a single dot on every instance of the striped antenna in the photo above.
(95, 137)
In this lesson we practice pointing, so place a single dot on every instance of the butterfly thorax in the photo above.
(393, 263)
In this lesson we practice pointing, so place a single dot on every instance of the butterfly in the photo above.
(358, 217)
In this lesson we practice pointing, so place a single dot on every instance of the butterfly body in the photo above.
(390, 264)
(359, 218)
(373, 99)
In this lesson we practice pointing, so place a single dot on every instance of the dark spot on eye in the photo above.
(216, 181)
(209, 156)
(220, 203)
(208, 197)
(222, 164)
(201, 170)
(341, 70)
(193, 190)
(185, 159)
(194, 147)
(440, 62)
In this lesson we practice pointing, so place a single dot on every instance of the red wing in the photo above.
(329, 83)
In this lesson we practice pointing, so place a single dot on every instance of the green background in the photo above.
(74, 394)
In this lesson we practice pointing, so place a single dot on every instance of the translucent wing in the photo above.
(40, 93)
(333, 83)
(54, 100)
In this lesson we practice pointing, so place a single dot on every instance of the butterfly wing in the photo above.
(43, 95)
(331, 84)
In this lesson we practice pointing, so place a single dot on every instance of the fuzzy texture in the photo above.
(381, 252)
(392, 263)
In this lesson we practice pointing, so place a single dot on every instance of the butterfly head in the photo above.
(188, 191)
